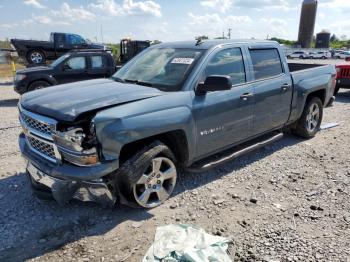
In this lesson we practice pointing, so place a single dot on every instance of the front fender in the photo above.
(115, 133)
(42, 77)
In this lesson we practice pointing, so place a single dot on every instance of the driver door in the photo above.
(73, 69)
(224, 118)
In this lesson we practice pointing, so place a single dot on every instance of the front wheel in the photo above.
(149, 177)
(38, 85)
(310, 121)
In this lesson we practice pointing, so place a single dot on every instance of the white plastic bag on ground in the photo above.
(186, 243)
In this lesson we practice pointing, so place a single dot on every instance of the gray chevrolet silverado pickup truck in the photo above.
(173, 105)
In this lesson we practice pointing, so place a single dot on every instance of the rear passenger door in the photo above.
(98, 66)
(272, 90)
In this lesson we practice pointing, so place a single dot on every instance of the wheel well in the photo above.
(321, 94)
(36, 49)
(37, 80)
(175, 140)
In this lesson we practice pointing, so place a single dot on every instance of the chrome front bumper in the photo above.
(65, 190)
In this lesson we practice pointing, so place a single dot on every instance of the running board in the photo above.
(249, 147)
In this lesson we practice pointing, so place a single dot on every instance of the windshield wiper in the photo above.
(118, 79)
(141, 83)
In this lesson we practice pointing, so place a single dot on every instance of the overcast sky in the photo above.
(166, 20)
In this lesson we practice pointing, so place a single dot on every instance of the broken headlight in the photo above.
(77, 146)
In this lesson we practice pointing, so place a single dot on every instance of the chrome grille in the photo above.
(38, 131)
(42, 147)
(37, 125)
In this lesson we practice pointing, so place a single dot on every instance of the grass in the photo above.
(6, 69)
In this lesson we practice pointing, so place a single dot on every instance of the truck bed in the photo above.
(293, 67)
(309, 78)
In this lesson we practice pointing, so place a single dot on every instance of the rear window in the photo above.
(266, 63)
(97, 61)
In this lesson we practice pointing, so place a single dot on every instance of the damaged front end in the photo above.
(98, 191)
(65, 158)
(76, 146)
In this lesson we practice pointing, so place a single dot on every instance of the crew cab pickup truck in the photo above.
(174, 104)
(37, 52)
(74, 66)
(343, 77)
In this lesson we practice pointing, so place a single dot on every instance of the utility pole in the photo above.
(229, 33)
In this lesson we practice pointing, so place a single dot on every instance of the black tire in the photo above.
(129, 175)
(303, 127)
(36, 57)
(38, 85)
(289, 57)
(336, 90)
(301, 57)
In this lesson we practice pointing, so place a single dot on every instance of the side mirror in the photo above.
(214, 83)
(66, 67)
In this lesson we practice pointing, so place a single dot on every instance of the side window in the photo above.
(227, 62)
(97, 61)
(60, 39)
(75, 63)
(75, 39)
(266, 63)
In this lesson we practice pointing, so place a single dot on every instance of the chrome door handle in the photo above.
(245, 96)
(285, 87)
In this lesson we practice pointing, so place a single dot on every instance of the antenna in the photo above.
(229, 33)
(101, 34)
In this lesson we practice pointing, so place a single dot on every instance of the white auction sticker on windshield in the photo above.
(182, 60)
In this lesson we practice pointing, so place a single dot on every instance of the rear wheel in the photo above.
(38, 85)
(310, 121)
(336, 90)
(149, 177)
(36, 57)
(301, 57)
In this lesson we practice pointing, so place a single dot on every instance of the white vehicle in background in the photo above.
(298, 54)
(320, 55)
(342, 55)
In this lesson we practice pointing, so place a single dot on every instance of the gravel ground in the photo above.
(286, 202)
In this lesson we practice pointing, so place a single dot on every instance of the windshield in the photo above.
(59, 60)
(162, 68)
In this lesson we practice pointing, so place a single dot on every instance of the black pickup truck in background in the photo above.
(76, 65)
(37, 52)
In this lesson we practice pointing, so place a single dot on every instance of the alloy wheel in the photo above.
(36, 57)
(312, 117)
(157, 184)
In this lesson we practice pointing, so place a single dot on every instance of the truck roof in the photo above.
(207, 44)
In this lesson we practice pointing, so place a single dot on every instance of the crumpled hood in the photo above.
(67, 102)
